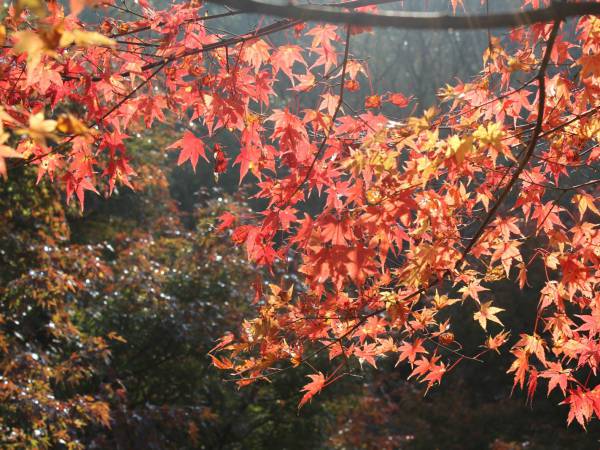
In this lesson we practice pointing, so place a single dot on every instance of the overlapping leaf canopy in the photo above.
(416, 216)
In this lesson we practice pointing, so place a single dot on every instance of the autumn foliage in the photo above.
(393, 221)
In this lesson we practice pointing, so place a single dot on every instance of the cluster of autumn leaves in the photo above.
(46, 42)
(400, 201)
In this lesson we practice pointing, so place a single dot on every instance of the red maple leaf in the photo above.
(399, 100)
(191, 148)
(410, 351)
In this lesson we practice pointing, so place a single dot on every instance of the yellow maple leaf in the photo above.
(84, 39)
(442, 301)
(490, 135)
(487, 312)
(46, 40)
(37, 7)
(34, 45)
(69, 124)
(459, 148)
(39, 128)
(5, 150)
(585, 202)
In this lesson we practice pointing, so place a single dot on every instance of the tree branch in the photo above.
(333, 118)
(537, 131)
(556, 12)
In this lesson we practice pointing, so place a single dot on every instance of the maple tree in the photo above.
(416, 217)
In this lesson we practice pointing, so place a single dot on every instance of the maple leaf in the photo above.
(256, 53)
(443, 301)
(456, 4)
(506, 226)
(48, 165)
(307, 82)
(487, 312)
(248, 159)
(532, 385)
(226, 221)
(410, 351)
(591, 322)
(336, 231)
(459, 148)
(339, 262)
(360, 263)
(6, 152)
(322, 35)
(590, 65)
(366, 353)
(584, 202)
(427, 370)
(223, 341)
(34, 46)
(373, 327)
(507, 252)
(422, 366)
(373, 101)
(495, 342)
(399, 100)
(119, 170)
(519, 366)
(557, 376)
(84, 38)
(472, 290)
(312, 388)
(191, 149)
(329, 103)
(223, 363)
(78, 186)
(289, 129)
(547, 216)
(581, 405)
(435, 375)
(284, 58)
(491, 135)
(39, 128)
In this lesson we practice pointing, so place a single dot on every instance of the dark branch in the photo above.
(333, 118)
(537, 133)
(417, 20)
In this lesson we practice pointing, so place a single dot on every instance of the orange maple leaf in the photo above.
(312, 388)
